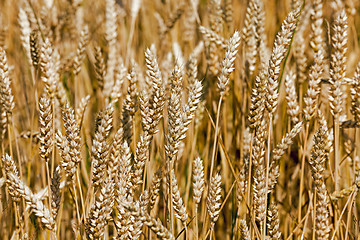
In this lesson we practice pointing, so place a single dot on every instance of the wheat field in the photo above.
(189, 119)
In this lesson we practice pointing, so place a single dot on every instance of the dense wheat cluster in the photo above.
(179, 119)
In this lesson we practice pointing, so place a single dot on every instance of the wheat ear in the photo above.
(274, 222)
(280, 149)
(100, 148)
(46, 134)
(355, 94)
(80, 51)
(100, 211)
(244, 230)
(213, 200)
(291, 97)
(281, 45)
